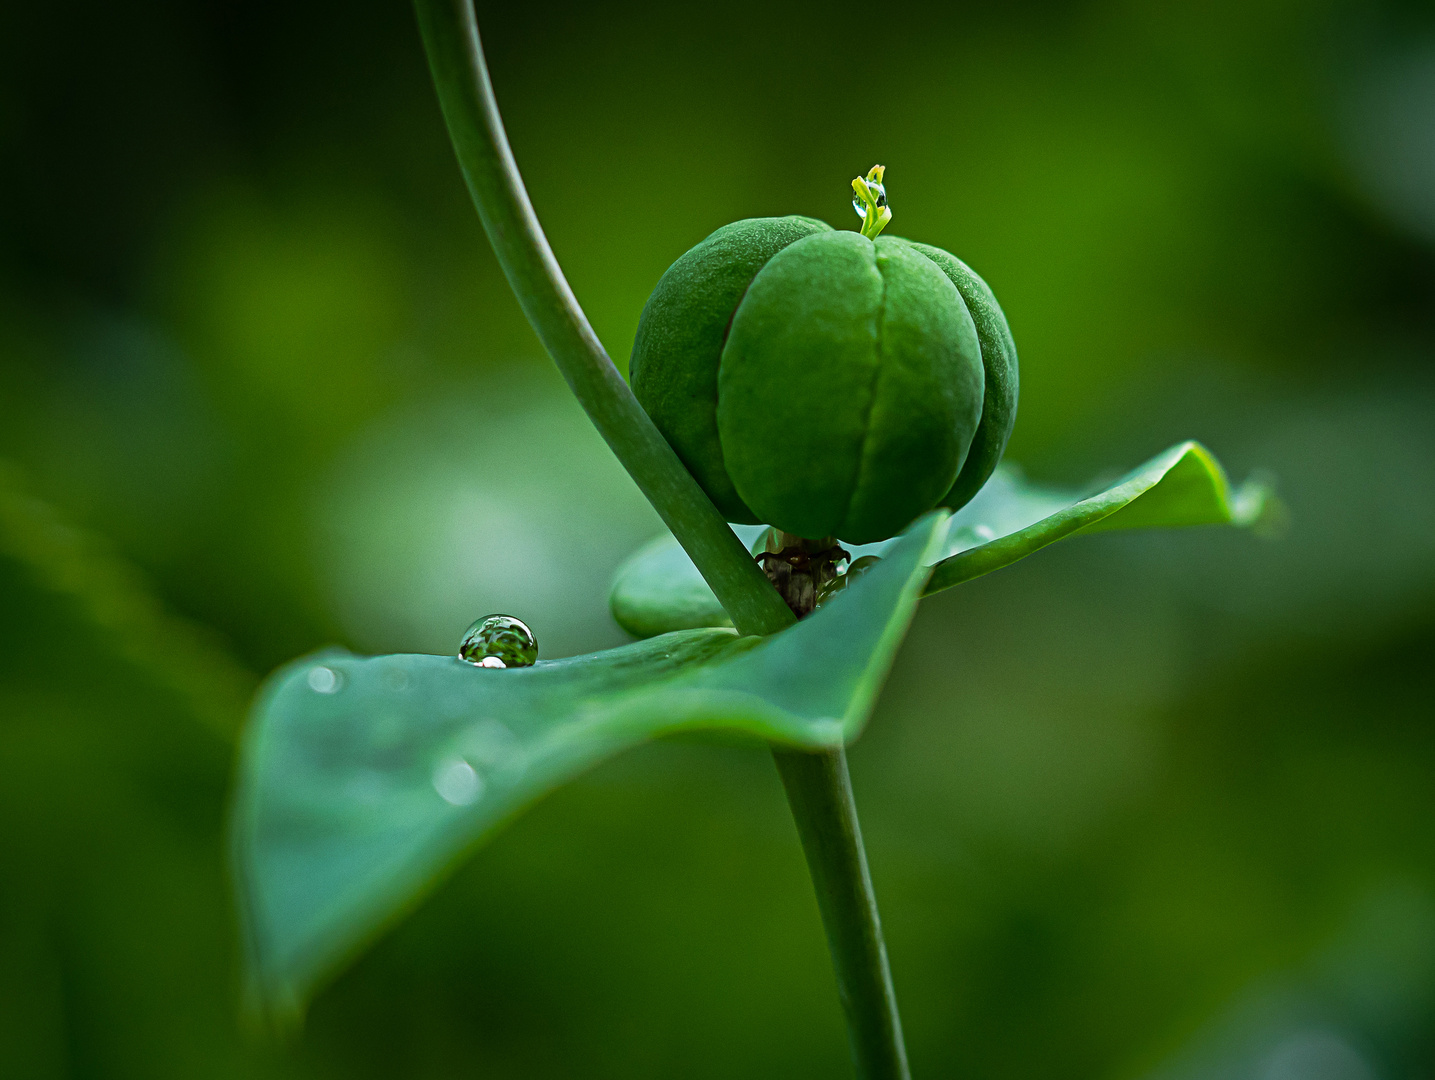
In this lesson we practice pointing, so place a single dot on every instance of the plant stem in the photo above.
(450, 35)
(817, 784)
(820, 794)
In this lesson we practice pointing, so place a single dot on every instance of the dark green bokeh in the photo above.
(1119, 798)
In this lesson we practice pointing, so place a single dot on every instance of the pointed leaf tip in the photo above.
(659, 589)
(1182, 486)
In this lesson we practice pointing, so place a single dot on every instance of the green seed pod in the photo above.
(674, 368)
(849, 388)
(827, 383)
(1002, 383)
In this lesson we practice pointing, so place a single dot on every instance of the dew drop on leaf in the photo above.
(324, 680)
(457, 782)
(499, 641)
(831, 588)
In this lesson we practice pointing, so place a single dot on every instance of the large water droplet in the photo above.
(879, 195)
(499, 641)
(457, 782)
(324, 680)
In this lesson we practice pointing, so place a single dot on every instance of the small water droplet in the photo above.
(499, 641)
(851, 573)
(324, 680)
(879, 195)
(456, 782)
(828, 589)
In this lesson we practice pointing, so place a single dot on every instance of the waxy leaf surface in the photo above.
(659, 589)
(363, 779)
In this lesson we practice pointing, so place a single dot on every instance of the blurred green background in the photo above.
(1156, 805)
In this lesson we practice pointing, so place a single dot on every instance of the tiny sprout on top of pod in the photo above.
(829, 383)
(869, 199)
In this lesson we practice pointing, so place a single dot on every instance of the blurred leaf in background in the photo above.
(1155, 807)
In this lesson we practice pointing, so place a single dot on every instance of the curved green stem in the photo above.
(450, 35)
(817, 784)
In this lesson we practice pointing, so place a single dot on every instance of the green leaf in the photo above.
(363, 779)
(658, 589)
(1185, 485)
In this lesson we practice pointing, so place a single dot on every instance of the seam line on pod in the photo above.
(878, 321)
(722, 348)
(731, 315)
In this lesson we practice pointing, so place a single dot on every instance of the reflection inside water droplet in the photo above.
(836, 585)
(324, 680)
(456, 782)
(862, 565)
(499, 641)
(828, 589)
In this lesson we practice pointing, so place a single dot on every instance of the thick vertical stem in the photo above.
(820, 794)
(817, 784)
